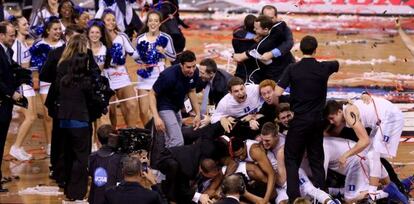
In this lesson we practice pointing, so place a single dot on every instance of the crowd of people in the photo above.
(248, 142)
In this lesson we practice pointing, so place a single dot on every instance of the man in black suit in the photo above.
(213, 81)
(308, 82)
(272, 53)
(8, 84)
(130, 190)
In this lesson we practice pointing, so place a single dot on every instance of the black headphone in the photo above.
(241, 186)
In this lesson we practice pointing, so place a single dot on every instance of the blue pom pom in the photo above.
(118, 57)
(39, 54)
(38, 29)
(162, 41)
(150, 55)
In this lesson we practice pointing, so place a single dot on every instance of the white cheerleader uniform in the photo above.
(44, 86)
(21, 55)
(41, 16)
(100, 57)
(146, 83)
(117, 74)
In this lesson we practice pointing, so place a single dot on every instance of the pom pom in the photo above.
(39, 54)
(12, 18)
(79, 10)
(149, 54)
(38, 29)
(118, 57)
(162, 41)
(145, 73)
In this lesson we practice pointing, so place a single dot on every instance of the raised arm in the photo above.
(404, 37)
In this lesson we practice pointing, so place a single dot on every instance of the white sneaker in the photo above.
(25, 153)
(17, 153)
(48, 147)
(379, 194)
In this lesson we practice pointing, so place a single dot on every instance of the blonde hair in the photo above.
(77, 44)
(301, 201)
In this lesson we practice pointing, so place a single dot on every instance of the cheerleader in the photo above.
(96, 37)
(51, 39)
(153, 48)
(81, 17)
(49, 8)
(66, 12)
(21, 55)
(119, 45)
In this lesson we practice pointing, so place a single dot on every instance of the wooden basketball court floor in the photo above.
(213, 43)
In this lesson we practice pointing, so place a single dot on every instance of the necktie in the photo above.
(10, 55)
(205, 99)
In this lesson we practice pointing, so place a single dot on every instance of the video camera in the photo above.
(130, 140)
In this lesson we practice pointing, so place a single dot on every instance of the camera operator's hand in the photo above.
(150, 177)
(159, 124)
(16, 96)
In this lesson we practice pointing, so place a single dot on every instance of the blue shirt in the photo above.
(171, 88)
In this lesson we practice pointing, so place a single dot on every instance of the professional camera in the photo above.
(131, 140)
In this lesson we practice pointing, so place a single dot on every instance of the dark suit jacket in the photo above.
(227, 201)
(7, 86)
(218, 88)
(128, 192)
(280, 37)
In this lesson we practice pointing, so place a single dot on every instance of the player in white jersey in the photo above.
(51, 39)
(117, 73)
(355, 170)
(252, 151)
(21, 55)
(383, 117)
(154, 48)
(240, 101)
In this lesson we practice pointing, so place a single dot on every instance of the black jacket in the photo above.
(73, 99)
(280, 37)
(129, 192)
(218, 87)
(109, 160)
(49, 74)
(8, 85)
(227, 200)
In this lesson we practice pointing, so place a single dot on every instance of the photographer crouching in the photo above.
(113, 167)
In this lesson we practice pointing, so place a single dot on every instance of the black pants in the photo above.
(76, 153)
(4, 128)
(176, 186)
(305, 133)
(57, 153)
